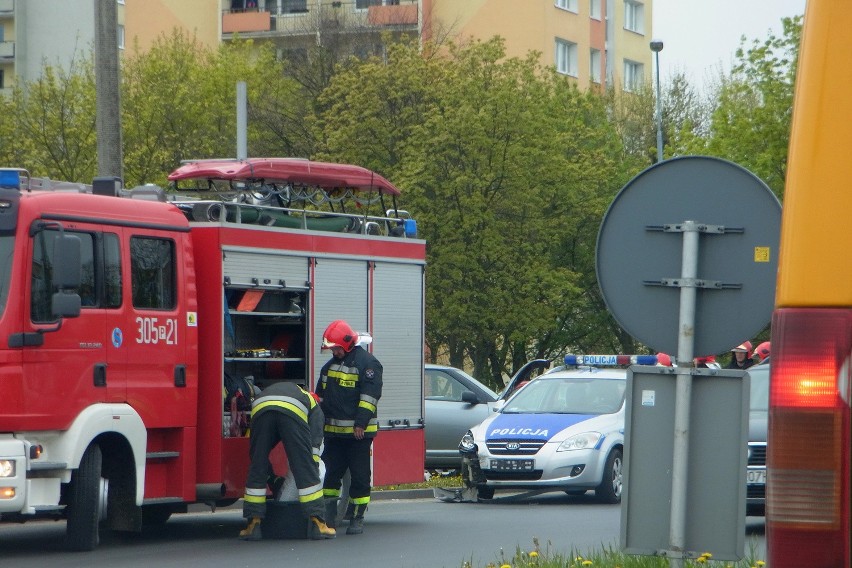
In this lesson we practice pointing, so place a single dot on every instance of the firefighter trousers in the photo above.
(267, 429)
(341, 454)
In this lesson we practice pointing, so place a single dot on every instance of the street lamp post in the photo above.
(657, 47)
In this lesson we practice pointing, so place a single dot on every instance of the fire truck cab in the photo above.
(127, 315)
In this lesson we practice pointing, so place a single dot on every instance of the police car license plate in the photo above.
(513, 465)
(756, 477)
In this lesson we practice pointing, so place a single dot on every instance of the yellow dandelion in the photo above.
(707, 555)
(760, 563)
(587, 562)
(701, 560)
(506, 566)
(533, 554)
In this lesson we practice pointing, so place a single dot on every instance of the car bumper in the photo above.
(573, 469)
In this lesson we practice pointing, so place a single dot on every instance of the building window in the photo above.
(595, 65)
(634, 75)
(566, 57)
(120, 1)
(294, 6)
(120, 37)
(595, 9)
(2, 79)
(634, 16)
(567, 5)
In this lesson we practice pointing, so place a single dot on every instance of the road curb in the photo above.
(401, 494)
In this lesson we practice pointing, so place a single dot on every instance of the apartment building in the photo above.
(35, 32)
(38, 32)
(598, 43)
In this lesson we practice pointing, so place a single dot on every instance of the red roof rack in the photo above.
(287, 170)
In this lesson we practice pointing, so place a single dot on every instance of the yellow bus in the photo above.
(809, 440)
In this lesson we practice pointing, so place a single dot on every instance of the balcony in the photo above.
(7, 50)
(304, 17)
(7, 8)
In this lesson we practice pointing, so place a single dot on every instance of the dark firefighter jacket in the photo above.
(350, 390)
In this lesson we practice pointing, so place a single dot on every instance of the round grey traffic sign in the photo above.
(640, 249)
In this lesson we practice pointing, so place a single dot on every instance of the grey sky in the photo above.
(701, 36)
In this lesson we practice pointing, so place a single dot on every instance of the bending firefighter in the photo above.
(286, 413)
(350, 386)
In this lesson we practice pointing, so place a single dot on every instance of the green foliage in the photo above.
(750, 120)
(50, 126)
(179, 103)
(508, 168)
(605, 557)
(506, 165)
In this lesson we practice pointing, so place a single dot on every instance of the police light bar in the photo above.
(610, 360)
(10, 179)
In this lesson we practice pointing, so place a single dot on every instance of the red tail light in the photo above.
(808, 488)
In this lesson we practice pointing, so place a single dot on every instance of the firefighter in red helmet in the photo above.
(350, 385)
(762, 351)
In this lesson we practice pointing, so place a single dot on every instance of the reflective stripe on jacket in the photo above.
(350, 389)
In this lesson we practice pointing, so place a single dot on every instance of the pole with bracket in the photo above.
(688, 284)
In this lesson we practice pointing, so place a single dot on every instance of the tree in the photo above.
(179, 103)
(750, 122)
(498, 157)
(51, 126)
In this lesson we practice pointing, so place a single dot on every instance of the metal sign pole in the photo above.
(683, 391)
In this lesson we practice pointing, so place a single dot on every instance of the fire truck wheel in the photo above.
(84, 502)
(609, 491)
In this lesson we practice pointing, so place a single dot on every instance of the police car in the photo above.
(563, 431)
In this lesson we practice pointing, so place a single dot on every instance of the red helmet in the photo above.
(664, 360)
(339, 334)
(706, 359)
(744, 347)
(762, 351)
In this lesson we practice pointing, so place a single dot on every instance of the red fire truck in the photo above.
(809, 486)
(128, 314)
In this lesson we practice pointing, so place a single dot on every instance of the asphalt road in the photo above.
(403, 533)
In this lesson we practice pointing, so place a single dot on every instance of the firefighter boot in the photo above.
(356, 525)
(252, 531)
(331, 513)
(320, 530)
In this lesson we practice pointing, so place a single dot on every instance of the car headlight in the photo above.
(580, 442)
(7, 468)
(467, 443)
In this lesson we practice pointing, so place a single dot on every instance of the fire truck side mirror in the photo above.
(66, 304)
(67, 276)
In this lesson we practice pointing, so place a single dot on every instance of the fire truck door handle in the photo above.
(100, 374)
(180, 375)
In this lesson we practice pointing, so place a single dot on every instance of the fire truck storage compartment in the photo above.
(389, 295)
(266, 300)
